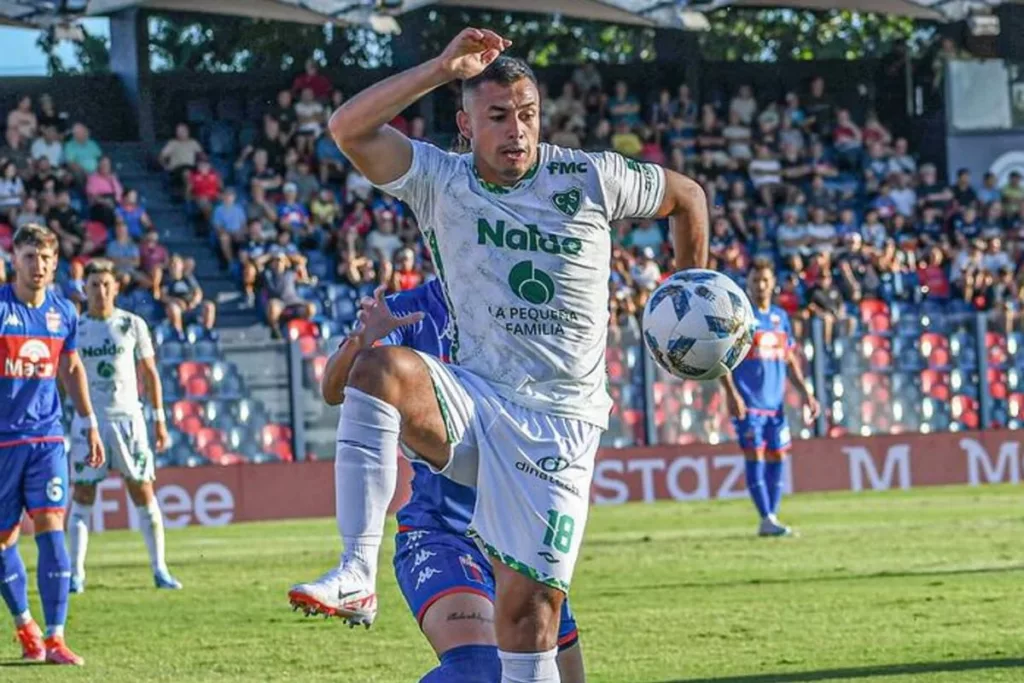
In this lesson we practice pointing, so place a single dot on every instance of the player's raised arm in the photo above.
(686, 206)
(359, 127)
(76, 384)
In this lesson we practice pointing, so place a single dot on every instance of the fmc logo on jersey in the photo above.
(32, 360)
(530, 239)
(570, 168)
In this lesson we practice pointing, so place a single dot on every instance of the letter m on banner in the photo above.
(895, 466)
(982, 470)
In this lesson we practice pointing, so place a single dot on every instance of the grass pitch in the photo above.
(921, 585)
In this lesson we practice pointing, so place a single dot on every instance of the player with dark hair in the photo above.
(38, 342)
(755, 393)
(447, 582)
(519, 233)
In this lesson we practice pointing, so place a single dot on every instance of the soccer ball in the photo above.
(698, 324)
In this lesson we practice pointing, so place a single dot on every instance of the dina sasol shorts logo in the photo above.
(548, 556)
(553, 463)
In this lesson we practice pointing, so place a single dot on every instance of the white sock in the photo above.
(151, 524)
(529, 667)
(79, 523)
(365, 476)
(23, 618)
(54, 632)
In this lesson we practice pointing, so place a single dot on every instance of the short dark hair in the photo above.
(100, 266)
(762, 263)
(504, 70)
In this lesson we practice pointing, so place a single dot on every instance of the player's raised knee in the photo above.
(528, 616)
(383, 371)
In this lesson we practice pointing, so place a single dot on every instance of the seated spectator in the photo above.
(104, 191)
(49, 145)
(989, 191)
(875, 132)
(12, 188)
(737, 136)
(63, 220)
(876, 160)
(183, 300)
(873, 230)
(743, 106)
(796, 171)
(820, 161)
(179, 156)
(710, 138)
(253, 254)
(291, 213)
(49, 116)
(819, 110)
(73, 288)
(821, 195)
(903, 196)
(203, 189)
(966, 226)
(311, 79)
(304, 180)
(994, 224)
(127, 257)
(309, 114)
(383, 242)
(270, 141)
(901, 160)
(790, 134)
(848, 140)
(821, 233)
(825, 301)
(281, 294)
(14, 149)
(324, 209)
(284, 115)
(1013, 192)
(766, 175)
(29, 214)
(134, 214)
(791, 236)
(931, 193)
(963, 192)
(623, 107)
(331, 163)
(995, 259)
(625, 141)
(23, 119)
(932, 275)
(154, 259)
(229, 222)
(264, 174)
(405, 275)
(81, 153)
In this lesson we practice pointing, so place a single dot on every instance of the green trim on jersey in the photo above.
(526, 570)
(435, 255)
(494, 188)
(449, 431)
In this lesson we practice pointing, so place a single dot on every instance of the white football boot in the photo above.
(770, 526)
(338, 593)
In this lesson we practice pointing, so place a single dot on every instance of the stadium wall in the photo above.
(215, 496)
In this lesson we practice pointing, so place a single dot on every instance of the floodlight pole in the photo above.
(129, 60)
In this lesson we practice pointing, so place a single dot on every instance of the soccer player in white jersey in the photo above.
(520, 237)
(116, 347)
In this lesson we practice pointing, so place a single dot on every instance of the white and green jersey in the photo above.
(109, 349)
(526, 268)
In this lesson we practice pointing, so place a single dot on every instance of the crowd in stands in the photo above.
(53, 173)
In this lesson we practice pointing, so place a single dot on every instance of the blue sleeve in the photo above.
(71, 340)
(400, 336)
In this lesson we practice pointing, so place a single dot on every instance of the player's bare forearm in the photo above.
(686, 206)
(76, 385)
(151, 381)
(359, 127)
(796, 374)
(332, 387)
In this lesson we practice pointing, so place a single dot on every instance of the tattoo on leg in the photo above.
(469, 616)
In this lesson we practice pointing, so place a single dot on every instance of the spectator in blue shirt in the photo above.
(291, 213)
(229, 222)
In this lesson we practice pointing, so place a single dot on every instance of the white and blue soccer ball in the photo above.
(698, 324)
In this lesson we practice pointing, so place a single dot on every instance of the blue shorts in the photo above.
(430, 564)
(33, 477)
(763, 431)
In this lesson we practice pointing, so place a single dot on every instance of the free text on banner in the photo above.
(214, 496)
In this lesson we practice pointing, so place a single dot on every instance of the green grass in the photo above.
(901, 586)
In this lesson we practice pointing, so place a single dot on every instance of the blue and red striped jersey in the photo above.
(760, 378)
(31, 343)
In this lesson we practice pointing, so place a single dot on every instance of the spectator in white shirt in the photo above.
(995, 259)
(821, 233)
(903, 195)
(744, 104)
(383, 242)
(791, 237)
(766, 175)
(646, 273)
(873, 231)
(49, 145)
(901, 161)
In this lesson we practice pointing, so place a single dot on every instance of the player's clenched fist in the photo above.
(471, 52)
(96, 454)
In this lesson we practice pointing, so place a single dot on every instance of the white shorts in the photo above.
(126, 442)
(532, 473)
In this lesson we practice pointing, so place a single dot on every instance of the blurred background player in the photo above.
(445, 579)
(38, 341)
(755, 393)
(115, 347)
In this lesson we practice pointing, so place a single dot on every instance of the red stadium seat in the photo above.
(881, 359)
(932, 340)
(1015, 405)
(319, 367)
(970, 419)
(184, 409)
(308, 346)
(870, 381)
(191, 425)
(282, 449)
(300, 328)
(871, 342)
(616, 371)
(214, 452)
(197, 387)
(960, 405)
(190, 369)
(274, 432)
(880, 323)
(869, 308)
(206, 436)
(938, 358)
(935, 384)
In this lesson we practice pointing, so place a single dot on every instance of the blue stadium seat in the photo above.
(206, 351)
(172, 352)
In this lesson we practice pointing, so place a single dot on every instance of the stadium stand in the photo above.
(895, 264)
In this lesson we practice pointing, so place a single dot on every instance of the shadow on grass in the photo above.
(21, 662)
(853, 673)
(820, 578)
